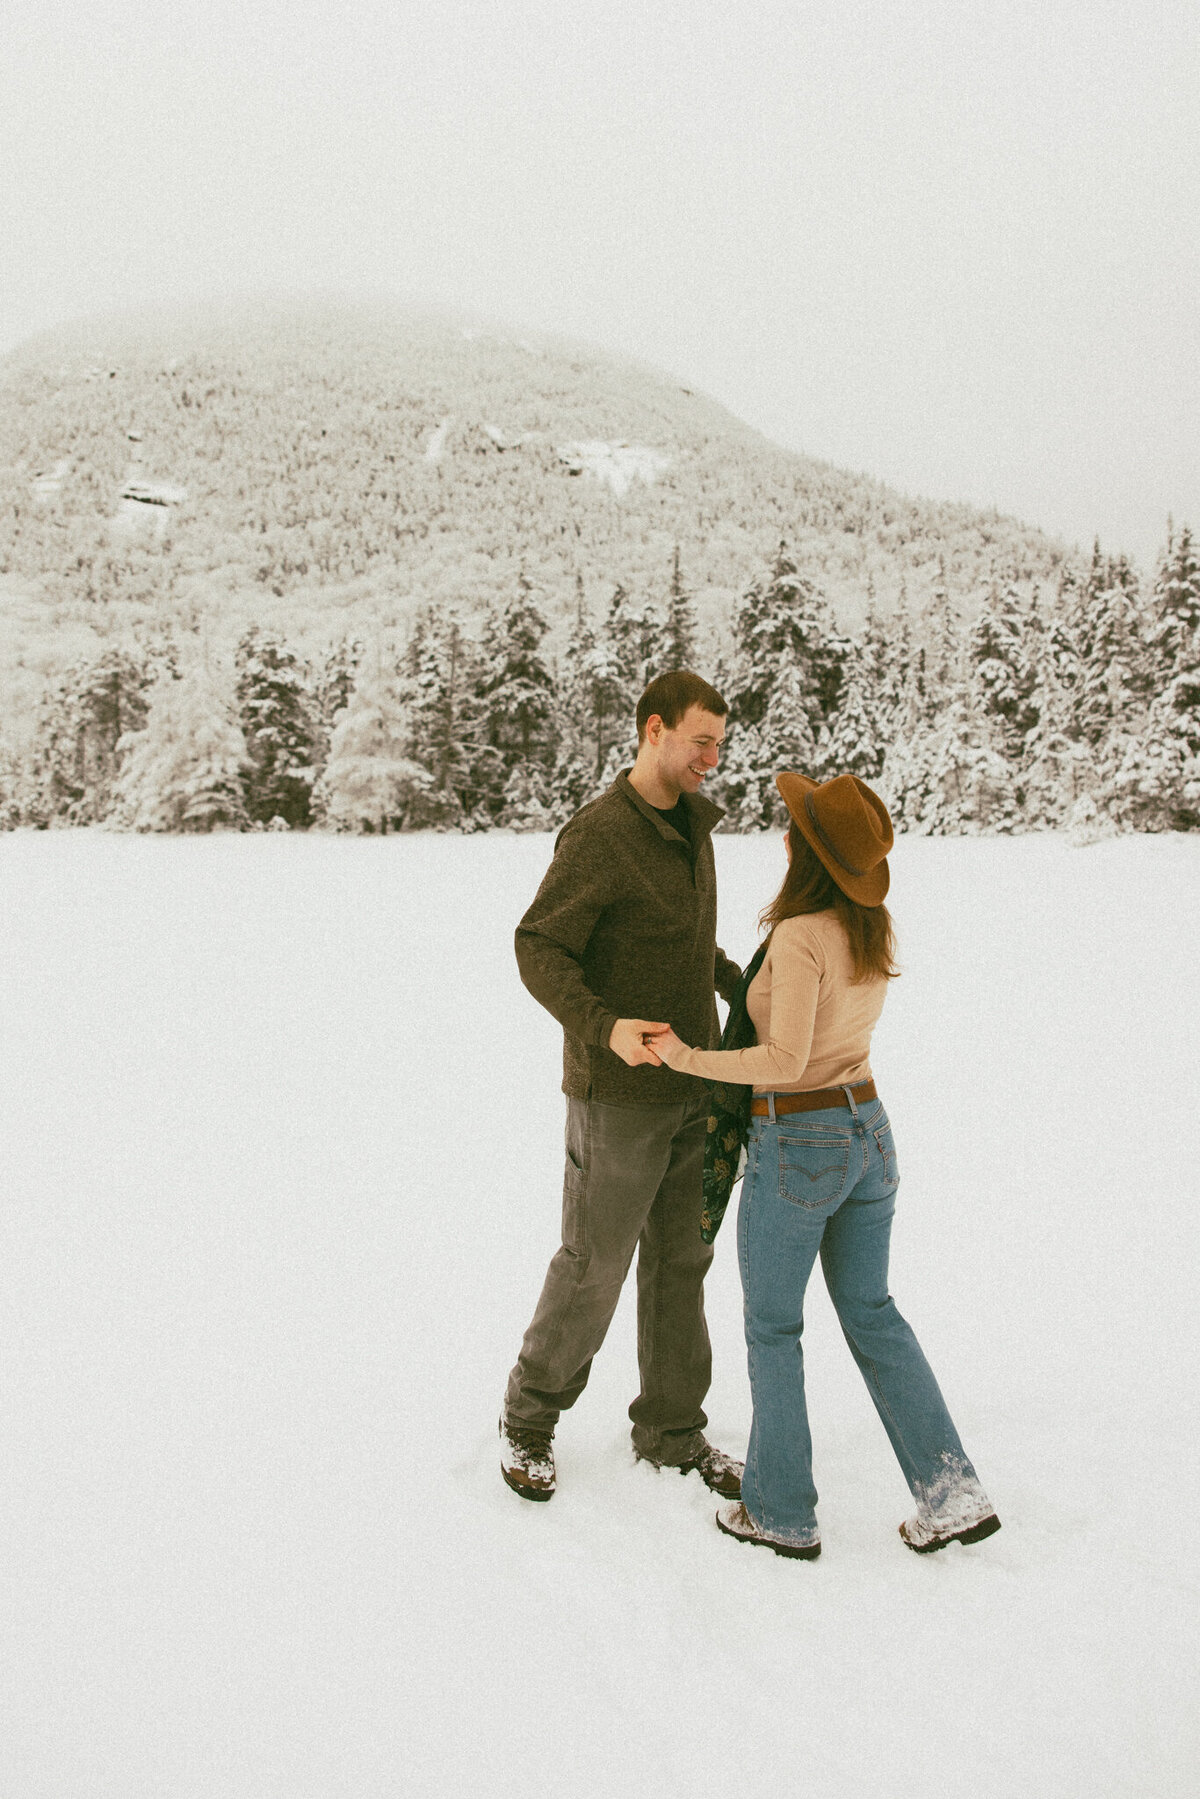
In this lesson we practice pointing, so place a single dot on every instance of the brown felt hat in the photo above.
(847, 828)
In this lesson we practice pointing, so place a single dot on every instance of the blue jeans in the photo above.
(826, 1181)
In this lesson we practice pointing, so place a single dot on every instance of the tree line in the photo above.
(1075, 707)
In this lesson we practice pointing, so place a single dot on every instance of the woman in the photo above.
(821, 1176)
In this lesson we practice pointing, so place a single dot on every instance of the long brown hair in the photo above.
(809, 887)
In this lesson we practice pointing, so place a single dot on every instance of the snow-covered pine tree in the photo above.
(679, 634)
(528, 801)
(850, 745)
(517, 692)
(942, 663)
(371, 784)
(619, 666)
(905, 780)
(11, 785)
(884, 652)
(183, 770)
(786, 616)
(441, 676)
(973, 788)
(83, 717)
(740, 786)
(999, 650)
(1175, 612)
(1113, 681)
(276, 713)
(574, 772)
(1056, 768)
(1152, 778)
(335, 680)
(331, 689)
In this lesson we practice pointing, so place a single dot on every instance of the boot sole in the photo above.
(793, 1551)
(524, 1492)
(975, 1533)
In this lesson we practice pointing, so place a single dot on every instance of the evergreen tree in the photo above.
(942, 661)
(577, 757)
(786, 616)
(999, 650)
(905, 779)
(183, 770)
(516, 689)
(331, 694)
(336, 681)
(884, 654)
(1151, 779)
(441, 687)
(527, 804)
(276, 716)
(83, 717)
(851, 744)
(1055, 768)
(370, 782)
(1175, 614)
(742, 787)
(1113, 679)
(972, 785)
(679, 634)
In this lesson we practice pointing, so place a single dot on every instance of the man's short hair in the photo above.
(671, 694)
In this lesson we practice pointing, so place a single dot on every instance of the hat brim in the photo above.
(868, 889)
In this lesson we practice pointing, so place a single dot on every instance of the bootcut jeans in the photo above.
(632, 1180)
(825, 1183)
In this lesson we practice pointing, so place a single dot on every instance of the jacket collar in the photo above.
(702, 814)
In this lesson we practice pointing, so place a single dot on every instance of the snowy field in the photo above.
(282, 1151)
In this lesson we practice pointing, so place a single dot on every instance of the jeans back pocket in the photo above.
(814, 1164)
(885, 1143)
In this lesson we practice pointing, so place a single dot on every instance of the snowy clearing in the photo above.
(272, 1232)
(617, 464)
(436, 446)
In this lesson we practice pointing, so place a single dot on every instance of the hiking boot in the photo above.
(924, 1538)
(719, 1472)
(527, 1459)
(736, 1521)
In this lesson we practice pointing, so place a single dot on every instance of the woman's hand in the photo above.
(668, 1046)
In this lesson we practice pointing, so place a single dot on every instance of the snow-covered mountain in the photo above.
(303, 466)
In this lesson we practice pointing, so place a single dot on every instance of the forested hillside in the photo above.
(374, 572)
(296, 467)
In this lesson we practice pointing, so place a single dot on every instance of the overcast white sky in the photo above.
(954, 246)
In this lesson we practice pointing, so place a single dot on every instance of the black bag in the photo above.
(729, 1112)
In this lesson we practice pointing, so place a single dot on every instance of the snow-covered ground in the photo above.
(282, 1140)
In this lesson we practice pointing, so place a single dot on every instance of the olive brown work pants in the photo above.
(632, 1180)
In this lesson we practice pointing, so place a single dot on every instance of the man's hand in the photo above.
(627, 1040)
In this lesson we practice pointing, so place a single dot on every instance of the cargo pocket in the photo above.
(813, 1166)
(574, 1212)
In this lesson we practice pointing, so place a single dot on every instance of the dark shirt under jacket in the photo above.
(624, 925)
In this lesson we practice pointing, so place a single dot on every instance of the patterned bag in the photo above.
(729, 1115)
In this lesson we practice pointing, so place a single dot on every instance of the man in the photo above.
(620, 941)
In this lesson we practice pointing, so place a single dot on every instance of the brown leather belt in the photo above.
(817, 1101)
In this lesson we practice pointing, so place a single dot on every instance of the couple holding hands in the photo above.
(620, 946)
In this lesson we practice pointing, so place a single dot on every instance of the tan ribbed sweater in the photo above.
(813, 1024)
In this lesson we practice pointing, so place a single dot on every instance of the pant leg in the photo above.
(854, 1259)
(674, 1354)
(616, 1158)
(778, 1241)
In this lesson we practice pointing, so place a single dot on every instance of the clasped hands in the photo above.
(638, 1040)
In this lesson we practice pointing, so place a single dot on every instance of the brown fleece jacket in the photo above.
(624, 925)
